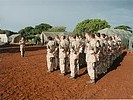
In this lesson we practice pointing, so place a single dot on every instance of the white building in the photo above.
(3, 38)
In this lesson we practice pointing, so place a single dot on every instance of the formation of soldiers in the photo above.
(98, 51)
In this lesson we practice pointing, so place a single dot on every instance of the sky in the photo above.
(17, 14)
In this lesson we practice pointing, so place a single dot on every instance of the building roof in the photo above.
(14, 35)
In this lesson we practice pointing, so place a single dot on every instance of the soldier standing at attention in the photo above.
(57, 41)
(51, 49)
(91, 56)
(63, 53)
(119, 45)
(104, 53)
(74, 57)
(22, 46)
(98, 54)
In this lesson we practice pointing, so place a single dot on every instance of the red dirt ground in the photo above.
(27, 78)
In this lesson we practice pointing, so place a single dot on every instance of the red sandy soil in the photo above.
(27, 78)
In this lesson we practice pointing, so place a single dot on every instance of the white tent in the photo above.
(44, 35)
(15, 38)
(3, 38)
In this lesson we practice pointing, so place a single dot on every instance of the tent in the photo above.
(14, 39)
(44, 35)
(3, 38)
(124, 35)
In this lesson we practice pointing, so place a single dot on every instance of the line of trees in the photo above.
(31, 33)
(88, 25)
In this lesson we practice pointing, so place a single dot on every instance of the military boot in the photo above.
(91, 81)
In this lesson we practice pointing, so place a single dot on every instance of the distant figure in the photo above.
(22, 46)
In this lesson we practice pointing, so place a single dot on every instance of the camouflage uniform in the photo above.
(63, 53)
(91, 58)
(57, 53)
(98, 56)
(118, 41)
(110, 45)
(114, 49)
(82, 61)
(74, 58)
(104, 56)
(51, 46)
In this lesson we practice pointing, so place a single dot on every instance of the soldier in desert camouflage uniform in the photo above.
(104, 53)
(57, 41)
(51, 49)
(63, 53)
(91, 56)
(74, 57)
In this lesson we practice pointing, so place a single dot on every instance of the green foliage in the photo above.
(2, 32)
(42, 27)
(57, 29)
(124, 27)
(91, 25)
(26, 31)
(29, 30)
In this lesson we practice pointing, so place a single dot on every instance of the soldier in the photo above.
(57, 41)
(119, 45)
(82, 61)
(51, 49)
(91, 56)
(114, 48)
(104, 53)
(74, 57)
(63, 53)
(110, 46)
(22, 46)
(131, 45)
(98, 53)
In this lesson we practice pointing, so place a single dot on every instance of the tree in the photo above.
(29, 30)
(22, 32)
(42, 27)
(91, 25)
(26, 31)
(57, 29)
(2, 32)
(124, 27)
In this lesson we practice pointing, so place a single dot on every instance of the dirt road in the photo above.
(27, 79)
